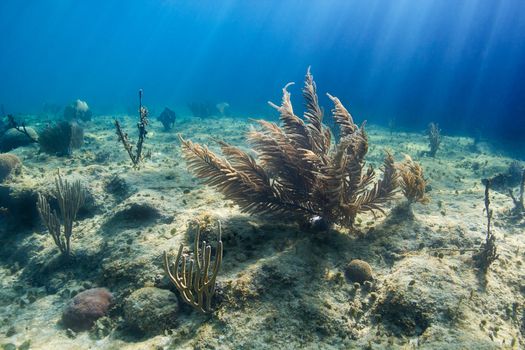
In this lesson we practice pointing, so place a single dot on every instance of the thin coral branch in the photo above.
(12, 123)
(70, 197)
(52, 222)
(137, 155)
(320, 134)
(383, 190)
(488, 252)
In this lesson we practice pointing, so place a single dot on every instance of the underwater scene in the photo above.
(333, 174)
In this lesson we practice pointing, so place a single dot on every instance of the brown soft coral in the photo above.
(412, 181)
(299, 173)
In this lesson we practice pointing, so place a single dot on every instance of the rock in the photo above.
(9, 164)
(151, 310)
(20, 205)
(409, 307)
(25, 345)
(135, 213)
(87, 307)
(13, 138)
(358, 271)
(118, 187)
(11, 331)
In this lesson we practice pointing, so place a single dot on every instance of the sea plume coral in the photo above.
(412, 181)
(299, 172)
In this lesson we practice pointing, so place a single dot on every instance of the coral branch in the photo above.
(70, 197)
(488, 252)
(193, 279)
(12, 123)
(137, 156)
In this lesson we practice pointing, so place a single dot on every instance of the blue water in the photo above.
(459, 63)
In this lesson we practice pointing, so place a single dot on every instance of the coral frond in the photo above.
(240, 180)
(383, 190)
(342, 118)
(293, 126)
(313, 114)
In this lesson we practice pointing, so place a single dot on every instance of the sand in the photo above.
(278, 287)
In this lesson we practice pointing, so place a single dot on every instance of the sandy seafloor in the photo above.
(279, 288)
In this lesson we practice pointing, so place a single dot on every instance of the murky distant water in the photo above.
(459, 63)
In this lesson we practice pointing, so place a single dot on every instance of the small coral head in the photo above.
(81, 106)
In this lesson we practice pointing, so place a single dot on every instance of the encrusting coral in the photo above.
(299, 172)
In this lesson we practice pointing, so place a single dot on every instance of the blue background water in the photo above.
(460, 63)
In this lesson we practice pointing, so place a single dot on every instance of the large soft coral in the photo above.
(299, 173)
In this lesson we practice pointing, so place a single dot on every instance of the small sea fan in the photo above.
(167, 118)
